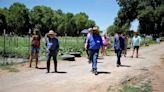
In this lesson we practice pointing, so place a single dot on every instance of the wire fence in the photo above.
(16, 47)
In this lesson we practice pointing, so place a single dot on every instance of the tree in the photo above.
(148, 12)
(17, 19)
(82, 22)
(3, 24)
(42, 16)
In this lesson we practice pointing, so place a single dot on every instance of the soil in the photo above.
(76, 76)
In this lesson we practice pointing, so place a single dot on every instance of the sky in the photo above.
(102, 12)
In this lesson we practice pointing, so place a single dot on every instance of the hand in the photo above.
(85, 47)
(47, 50)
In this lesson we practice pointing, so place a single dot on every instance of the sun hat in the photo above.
(51, 32)
(95, 29)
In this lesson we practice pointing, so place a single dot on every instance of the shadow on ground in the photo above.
(60, 72)
(125, 66)
(103, 72)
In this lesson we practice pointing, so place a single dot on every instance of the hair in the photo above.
(37, 33)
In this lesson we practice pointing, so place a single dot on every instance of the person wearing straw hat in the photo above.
(94, 42)
(52, 48)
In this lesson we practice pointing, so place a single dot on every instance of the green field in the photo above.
(20, 46)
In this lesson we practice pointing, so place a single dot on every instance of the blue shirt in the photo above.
(52, 44)
(94, 42)
(119, 43)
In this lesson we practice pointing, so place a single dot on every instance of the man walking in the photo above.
(94, 42)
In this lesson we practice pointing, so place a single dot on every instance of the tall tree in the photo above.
(148, 12)
(42, 16)
(17, 19)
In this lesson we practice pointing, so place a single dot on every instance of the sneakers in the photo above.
(89, 61)
(118, 65)
(95, 72)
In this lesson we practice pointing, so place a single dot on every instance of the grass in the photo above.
(145, 88)
(14, 46)
(20, 46)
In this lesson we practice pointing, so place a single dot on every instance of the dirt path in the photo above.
(76, 76)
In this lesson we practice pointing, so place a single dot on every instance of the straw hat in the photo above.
(95, 29)
(51, 32)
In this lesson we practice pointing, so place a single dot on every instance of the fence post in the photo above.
(4, 44)
(29, 41)
(4, 50)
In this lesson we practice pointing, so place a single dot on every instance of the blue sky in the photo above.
(102, 12)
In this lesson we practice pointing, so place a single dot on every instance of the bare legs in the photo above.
(104, 50)
(137, 50)
(31, 58)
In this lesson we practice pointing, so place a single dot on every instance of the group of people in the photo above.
(93, 43)
(51, 46)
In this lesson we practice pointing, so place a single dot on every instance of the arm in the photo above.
(132, 42)
(46, 44)
(86, 43)
(139, 41)
(57, 47)
(114, 42)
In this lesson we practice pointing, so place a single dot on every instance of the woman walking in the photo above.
(125, 37)
(136, 42)
(118, 46)
(105, 40)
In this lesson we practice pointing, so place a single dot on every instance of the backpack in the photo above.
(35, 42)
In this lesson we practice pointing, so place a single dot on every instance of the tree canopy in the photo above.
(19, 19)
(149, 13)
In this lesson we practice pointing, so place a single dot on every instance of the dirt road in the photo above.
(76, 76)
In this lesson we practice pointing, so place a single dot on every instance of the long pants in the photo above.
(93, 56)
(54, 55)
(118, 52)
(87, 51)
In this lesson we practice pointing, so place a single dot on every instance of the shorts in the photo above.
(136, 47)
(35, 50)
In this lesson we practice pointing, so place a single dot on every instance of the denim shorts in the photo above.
(136, 47)
(35, 50)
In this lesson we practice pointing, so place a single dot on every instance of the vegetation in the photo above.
(17, 19)
(149, 13)
(11, 67)
(145, 88)
(20, 46)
